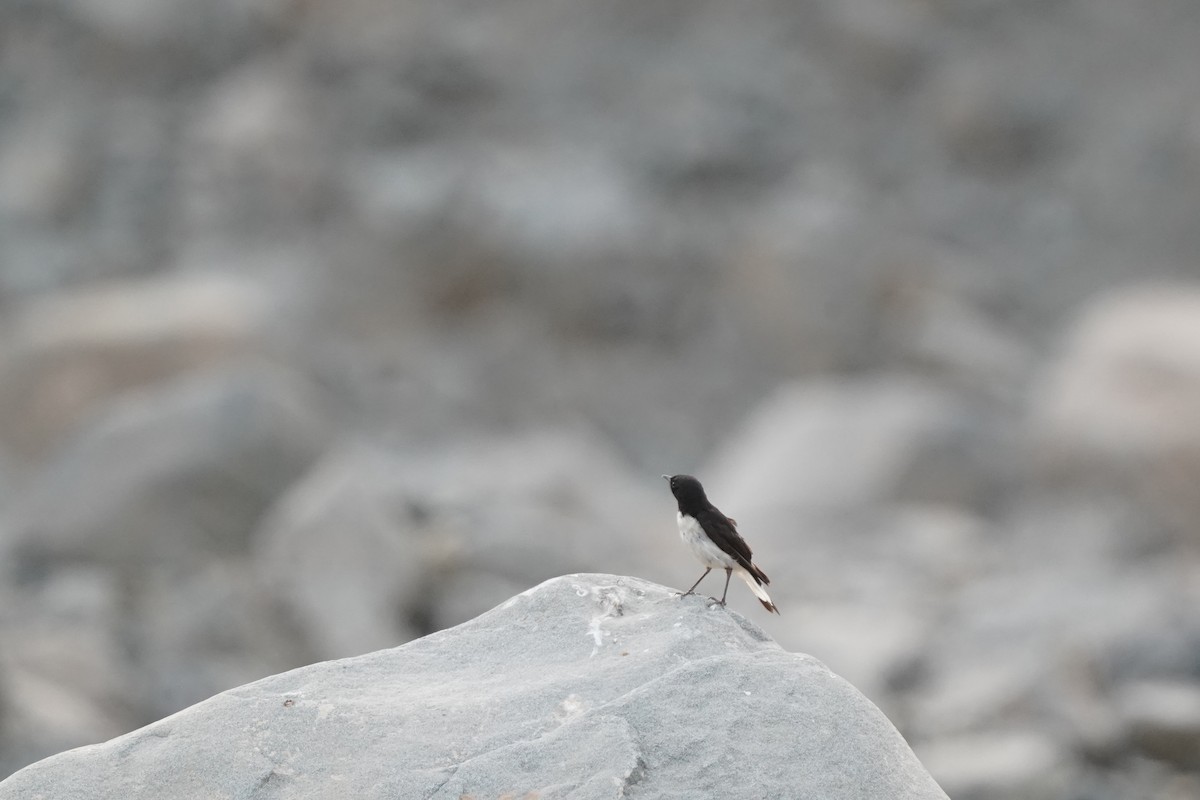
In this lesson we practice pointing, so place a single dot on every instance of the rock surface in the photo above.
(587, 686)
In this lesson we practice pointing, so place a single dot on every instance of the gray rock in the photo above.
(188, 634)
(177, 27)
(811, 272)
(996, 127)
(1000, 765)
(974, 696)
(66, 356)
(836, 444)
(1124, 392)
(43, 169)
(252, 158)
(336, 554)
(168, 474)
(1162, 720)
(868, 643)
(63, 676)
(949, 333)
(92, 651)
(126, 593)
(586, 686)
(885, 43)
(374, 546)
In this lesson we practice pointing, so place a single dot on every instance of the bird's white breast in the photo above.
(701, 546)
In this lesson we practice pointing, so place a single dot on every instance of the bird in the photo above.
(713, 538)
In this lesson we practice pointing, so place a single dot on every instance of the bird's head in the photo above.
(686, 489)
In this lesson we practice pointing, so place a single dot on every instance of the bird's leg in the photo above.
(728, 575)
(697, 583)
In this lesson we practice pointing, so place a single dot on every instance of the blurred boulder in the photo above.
(63, 676)
(504, 224)
(174, 473)
(66, 355)
(990, 123)
(45, 168)
(830, 444)
(871, 646)
(947, 331)
(884, 42)
(823, 280)
(1122, 400)
(1154, 653)
(374, 547)
(7, 492)
(1125, 387)
(127, 594)
(254, 161)
(1162, 720)
(338, 554)
(962, 696)
(184, 30)
(191, 632)
(808, 277)
(1000, 765)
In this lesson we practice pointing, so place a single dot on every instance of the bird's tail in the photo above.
(756, 580)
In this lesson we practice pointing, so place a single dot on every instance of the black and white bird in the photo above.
(714, 540)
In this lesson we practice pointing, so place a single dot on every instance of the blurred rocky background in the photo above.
(325, 325)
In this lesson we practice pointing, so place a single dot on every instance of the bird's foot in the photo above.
(721, 603)
(684, 594)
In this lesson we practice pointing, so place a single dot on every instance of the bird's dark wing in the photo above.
(725, 536)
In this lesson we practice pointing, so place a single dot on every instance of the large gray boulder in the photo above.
(175, 474)
(586, 686)
(427, 539)
(66, 358)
